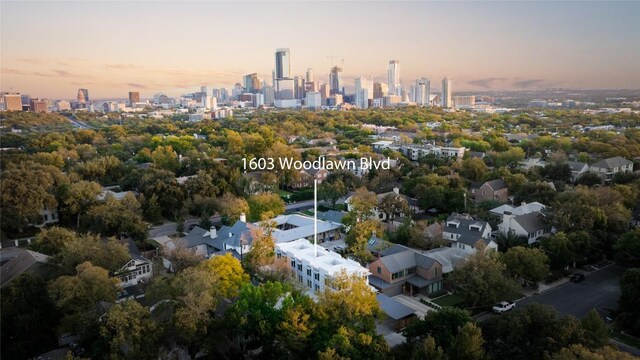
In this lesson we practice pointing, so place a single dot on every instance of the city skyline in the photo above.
(520, 46)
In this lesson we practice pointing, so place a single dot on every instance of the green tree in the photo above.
(231, 207)
(393, 204)
(113, 217)
(163, 157)
(51, 240)
(80, 196)
(468, 344)
(362, 203)
(482, 276)
(595, 331)
(441, 325)
(359, 235)
(130, 331)
(473, 169)
(529, 264)
(109, 254)
(23, 194)
(579, 352)
(629, 303)
(265, 203)
(332, 191)
(627, 249)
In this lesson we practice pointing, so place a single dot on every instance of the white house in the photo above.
(314, 271)
(607, 168)
(577, 169)
(382, 216)
(137, 270)
(528, 225)
(524, 208)
(463, 232)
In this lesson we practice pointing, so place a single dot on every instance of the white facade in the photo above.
(364, 92)
(313, 99)
(422, 92)
(393, 78)
(314, 271)
(137, 270)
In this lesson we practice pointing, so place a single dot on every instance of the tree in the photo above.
(559, 250)
(51, 240)
(201, 184)
(163, 157)
(113, 217)
(227, 275)
(627, 249)
(231, 207)
(468, 344)
(473, 169)
(442, 325)
(595, 331)
(262, 252)
(393, 204)
(265, 203)
(80, 196)
(482, 276)
(129, 331)
(109, 254)
(509, 240)
(24, 193)
(362, 203)
(629, 303)
(359, 235)
(78, 293)
(530, 264)
(332, 191)
(579, 352)
(181, 258)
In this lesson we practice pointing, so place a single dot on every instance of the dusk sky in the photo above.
(50, 49)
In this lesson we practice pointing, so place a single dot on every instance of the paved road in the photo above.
(599, 290)
(79, 124)
(301, 205)
(170, 227)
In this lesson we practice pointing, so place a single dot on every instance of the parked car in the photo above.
(576, 278)
(503, 306)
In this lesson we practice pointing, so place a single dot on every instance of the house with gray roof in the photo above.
(463, 232)
(529, 225)
(402, 270)
(490, 190)
(26, 261)
(399, 315)
(577, 169)
(607, 168)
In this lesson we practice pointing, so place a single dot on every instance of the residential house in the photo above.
(314, 266)
(577, 169)
(305, 178)
(416, 151)
(398, 314)
(137, 270)
(490, 190)
(295, 226)
(449, 257)
(607, 168)
(382, 216)
(531, 163)
(402, 270)
(524, 208)
(528, 225)
(463, 232)
(49, 216)
(257, 182)
(26, 261)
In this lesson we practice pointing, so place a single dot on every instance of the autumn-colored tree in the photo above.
(80, 196)
(78, 293)
(130, 332)
(51, 240)
(265, 203)
(227, 274)
(231, 207)
(359, 235)
(529, 264)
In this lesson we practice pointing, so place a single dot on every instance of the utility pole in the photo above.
(315, 216)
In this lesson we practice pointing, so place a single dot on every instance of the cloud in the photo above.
(137, 86)
(13, 72)
(486, 83)
(32, 60)
(526, 83)
(62, 72)
(122, 66)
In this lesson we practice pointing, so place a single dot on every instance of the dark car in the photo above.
(576, 278)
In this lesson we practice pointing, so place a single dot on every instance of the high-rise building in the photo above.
(313, 99)
(285, 89)
(446, 93)
(224, 94)
(298, 85)
(11, 101)
(238, 89)
(364, 92)
(380, 90)
(335, 80)
(309, 77)
(38, 105)
(63, 105)
(325, 91)
(203, 89)
(464, 101)
(215, 93)
(134, 97)
(269, 95)
(283, 64)
(422, 92)
(251, 83)
(393, 78)
(83, 96)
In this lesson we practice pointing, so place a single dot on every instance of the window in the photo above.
(316, 276)
(309, 283)
(309, 272)
(293, 264)
(379, 270)
(300, 278)
(278, 255)
(299, 267)
(411, 271)
(317, 287)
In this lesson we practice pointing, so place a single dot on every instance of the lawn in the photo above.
(450, 300)
(284, 193)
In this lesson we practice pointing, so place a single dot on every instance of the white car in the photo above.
(503, 306)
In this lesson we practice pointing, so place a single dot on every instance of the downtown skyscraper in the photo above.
(364, 92)
(335, 80)
(446, 93)
(284, 85)
(422, 92)
(393, 78)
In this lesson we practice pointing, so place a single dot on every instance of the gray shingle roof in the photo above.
(404, 258)
(611, 163)
(530, 222)
(497, 184)
(393, 308)
(576, 165)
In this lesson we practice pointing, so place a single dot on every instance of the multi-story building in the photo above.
(415, 151)
(446, 93)
(364, 92)
(63, 105)
(607, 168)
(269, 95)
(134, 97)
(314, 266)
(298, 87)
(38, 105)
(422, 92)
(251, 83)
(463, 232)
(325, 91)
(11, 101)
(380, 90)
(464, 101)
(83, 96)
(393, 78)
(335, 80)
(283, 64)
(313, 99)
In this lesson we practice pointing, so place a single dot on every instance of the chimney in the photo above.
(212, 232)
(243, 217)
(396, 190)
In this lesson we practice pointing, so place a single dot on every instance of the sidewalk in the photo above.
(542, 287)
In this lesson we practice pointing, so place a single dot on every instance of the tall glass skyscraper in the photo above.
(335, 80)
(283, 64)
(446, 93)
(393, 78)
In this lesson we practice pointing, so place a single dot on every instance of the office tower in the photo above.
(213, 102)
(251, 83)
(224, 94)
(298, 85)
(335, 100)
(309, 77)
(380, 90)
(313, 99)
(26, 101)
(237, 90)
(285, 89)
(11, 101)
(83, 96)
(273, 78)
(203, 89)
(38, 105)
(446, 93)
(325, 92)
(335, 80)
(62, 105)
(364, 92)
(423, 92)
(269, 95)
(393, 78)
(134, 97)
(215, 93)
(283, 64)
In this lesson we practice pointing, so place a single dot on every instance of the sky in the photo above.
(50, 49)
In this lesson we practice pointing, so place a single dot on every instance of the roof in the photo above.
(403, 258)
(197, 236)
(611, 163)
(26, 260)
(302, 227)
(524, 208)
(467, 236)
(421, 282)
(329, 261)
(496, 185)
(576, 165)
(393, 308)
(332, 215)
(530, 222)
(239, 233)
(449, 257)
